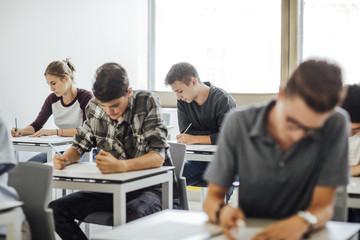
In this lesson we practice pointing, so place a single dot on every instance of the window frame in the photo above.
(289, 54)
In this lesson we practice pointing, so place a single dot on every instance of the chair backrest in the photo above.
(166, 118)
(32, 181)
(177, 152)
(340, 206)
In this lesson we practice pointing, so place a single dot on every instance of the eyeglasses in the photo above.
(294, 125)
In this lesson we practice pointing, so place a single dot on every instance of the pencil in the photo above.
(187, 128)
(15, 124)
(57, 152)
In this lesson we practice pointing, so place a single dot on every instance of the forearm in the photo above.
(72, 155)
(202, 140)
(149, 160)
(215, 196)
(322, 205)
(66, 132)
(28, 130)
(355, 170)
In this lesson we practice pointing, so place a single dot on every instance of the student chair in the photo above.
(177, 153)
(32, 181)
(340, 206)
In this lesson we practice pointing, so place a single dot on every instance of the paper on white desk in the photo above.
(246, 233)
(201, 148)
(41, 140)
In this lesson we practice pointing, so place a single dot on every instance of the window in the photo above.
(235, 44)
(331, 30)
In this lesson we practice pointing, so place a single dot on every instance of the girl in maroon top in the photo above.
(67, 104)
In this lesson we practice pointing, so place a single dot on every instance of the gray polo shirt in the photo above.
(273, 183)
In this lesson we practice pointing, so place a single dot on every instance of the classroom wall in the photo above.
(91, 32)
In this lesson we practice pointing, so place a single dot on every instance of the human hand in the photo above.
(229, 219)
(44, 132)
(17, 133)
(185, 139)
(60, 162)
(107, 163)
(291, 228)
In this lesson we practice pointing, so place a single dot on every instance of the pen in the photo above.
(15, 125)
(187, 128)
(57, 152)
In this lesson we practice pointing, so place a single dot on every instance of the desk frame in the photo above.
(12, 220)
(119, 190)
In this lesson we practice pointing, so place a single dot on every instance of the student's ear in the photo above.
(195, 81)
(129, 92)
(280, 94)
(66, 78)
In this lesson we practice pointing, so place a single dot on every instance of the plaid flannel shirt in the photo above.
(140, 131)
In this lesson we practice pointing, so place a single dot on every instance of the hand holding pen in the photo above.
(184, 138)
(60, 161)
(16, 132)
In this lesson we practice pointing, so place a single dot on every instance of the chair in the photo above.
(32, 181)
(340, 206)
(177, 152)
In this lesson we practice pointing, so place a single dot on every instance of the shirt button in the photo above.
(281, 164)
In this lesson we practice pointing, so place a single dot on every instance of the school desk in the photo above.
(181, 225)
(87, 177)
(203, 153)
(11, 217)
(353, 190)
(41, 144)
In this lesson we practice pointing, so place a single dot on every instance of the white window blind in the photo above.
(235, 44)
(331, 30)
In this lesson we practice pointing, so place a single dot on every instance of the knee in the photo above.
(147, 203)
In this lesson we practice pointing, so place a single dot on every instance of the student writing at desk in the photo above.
(7, 193)
(290, 155)
(67, 103)
(201, 109)
(127, 126)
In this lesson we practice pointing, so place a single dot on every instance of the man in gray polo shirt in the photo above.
(289, 155)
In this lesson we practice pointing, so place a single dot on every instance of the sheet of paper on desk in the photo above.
(167, 230)
(246, 233)
(42, 139)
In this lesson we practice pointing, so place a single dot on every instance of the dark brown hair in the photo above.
(182, 72)
(111, 82)
(318, 83)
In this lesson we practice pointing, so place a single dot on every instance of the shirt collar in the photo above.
(258, 128)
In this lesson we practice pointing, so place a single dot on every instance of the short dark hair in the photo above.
(318, 83)
(111, 82)
(352, 102)
(182, 72)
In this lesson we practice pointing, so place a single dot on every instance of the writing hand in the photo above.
(17, 133)
(59, 162)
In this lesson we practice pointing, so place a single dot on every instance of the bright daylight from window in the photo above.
(333, 34)
(233, 44)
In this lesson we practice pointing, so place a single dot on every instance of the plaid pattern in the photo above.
(140, 131)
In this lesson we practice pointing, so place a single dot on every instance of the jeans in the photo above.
(78, 205)
(194, 173)
(42, 158)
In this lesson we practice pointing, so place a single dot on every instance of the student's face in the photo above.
(116, 108)
(296, 120)
(183, 92)
(57, 84)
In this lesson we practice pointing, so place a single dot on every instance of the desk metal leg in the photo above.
(119, 202)
(167, 192)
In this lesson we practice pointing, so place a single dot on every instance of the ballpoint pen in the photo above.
(187, 128)
(57, 152)
(15, 124)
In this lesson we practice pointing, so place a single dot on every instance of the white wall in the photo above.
(35, 32)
